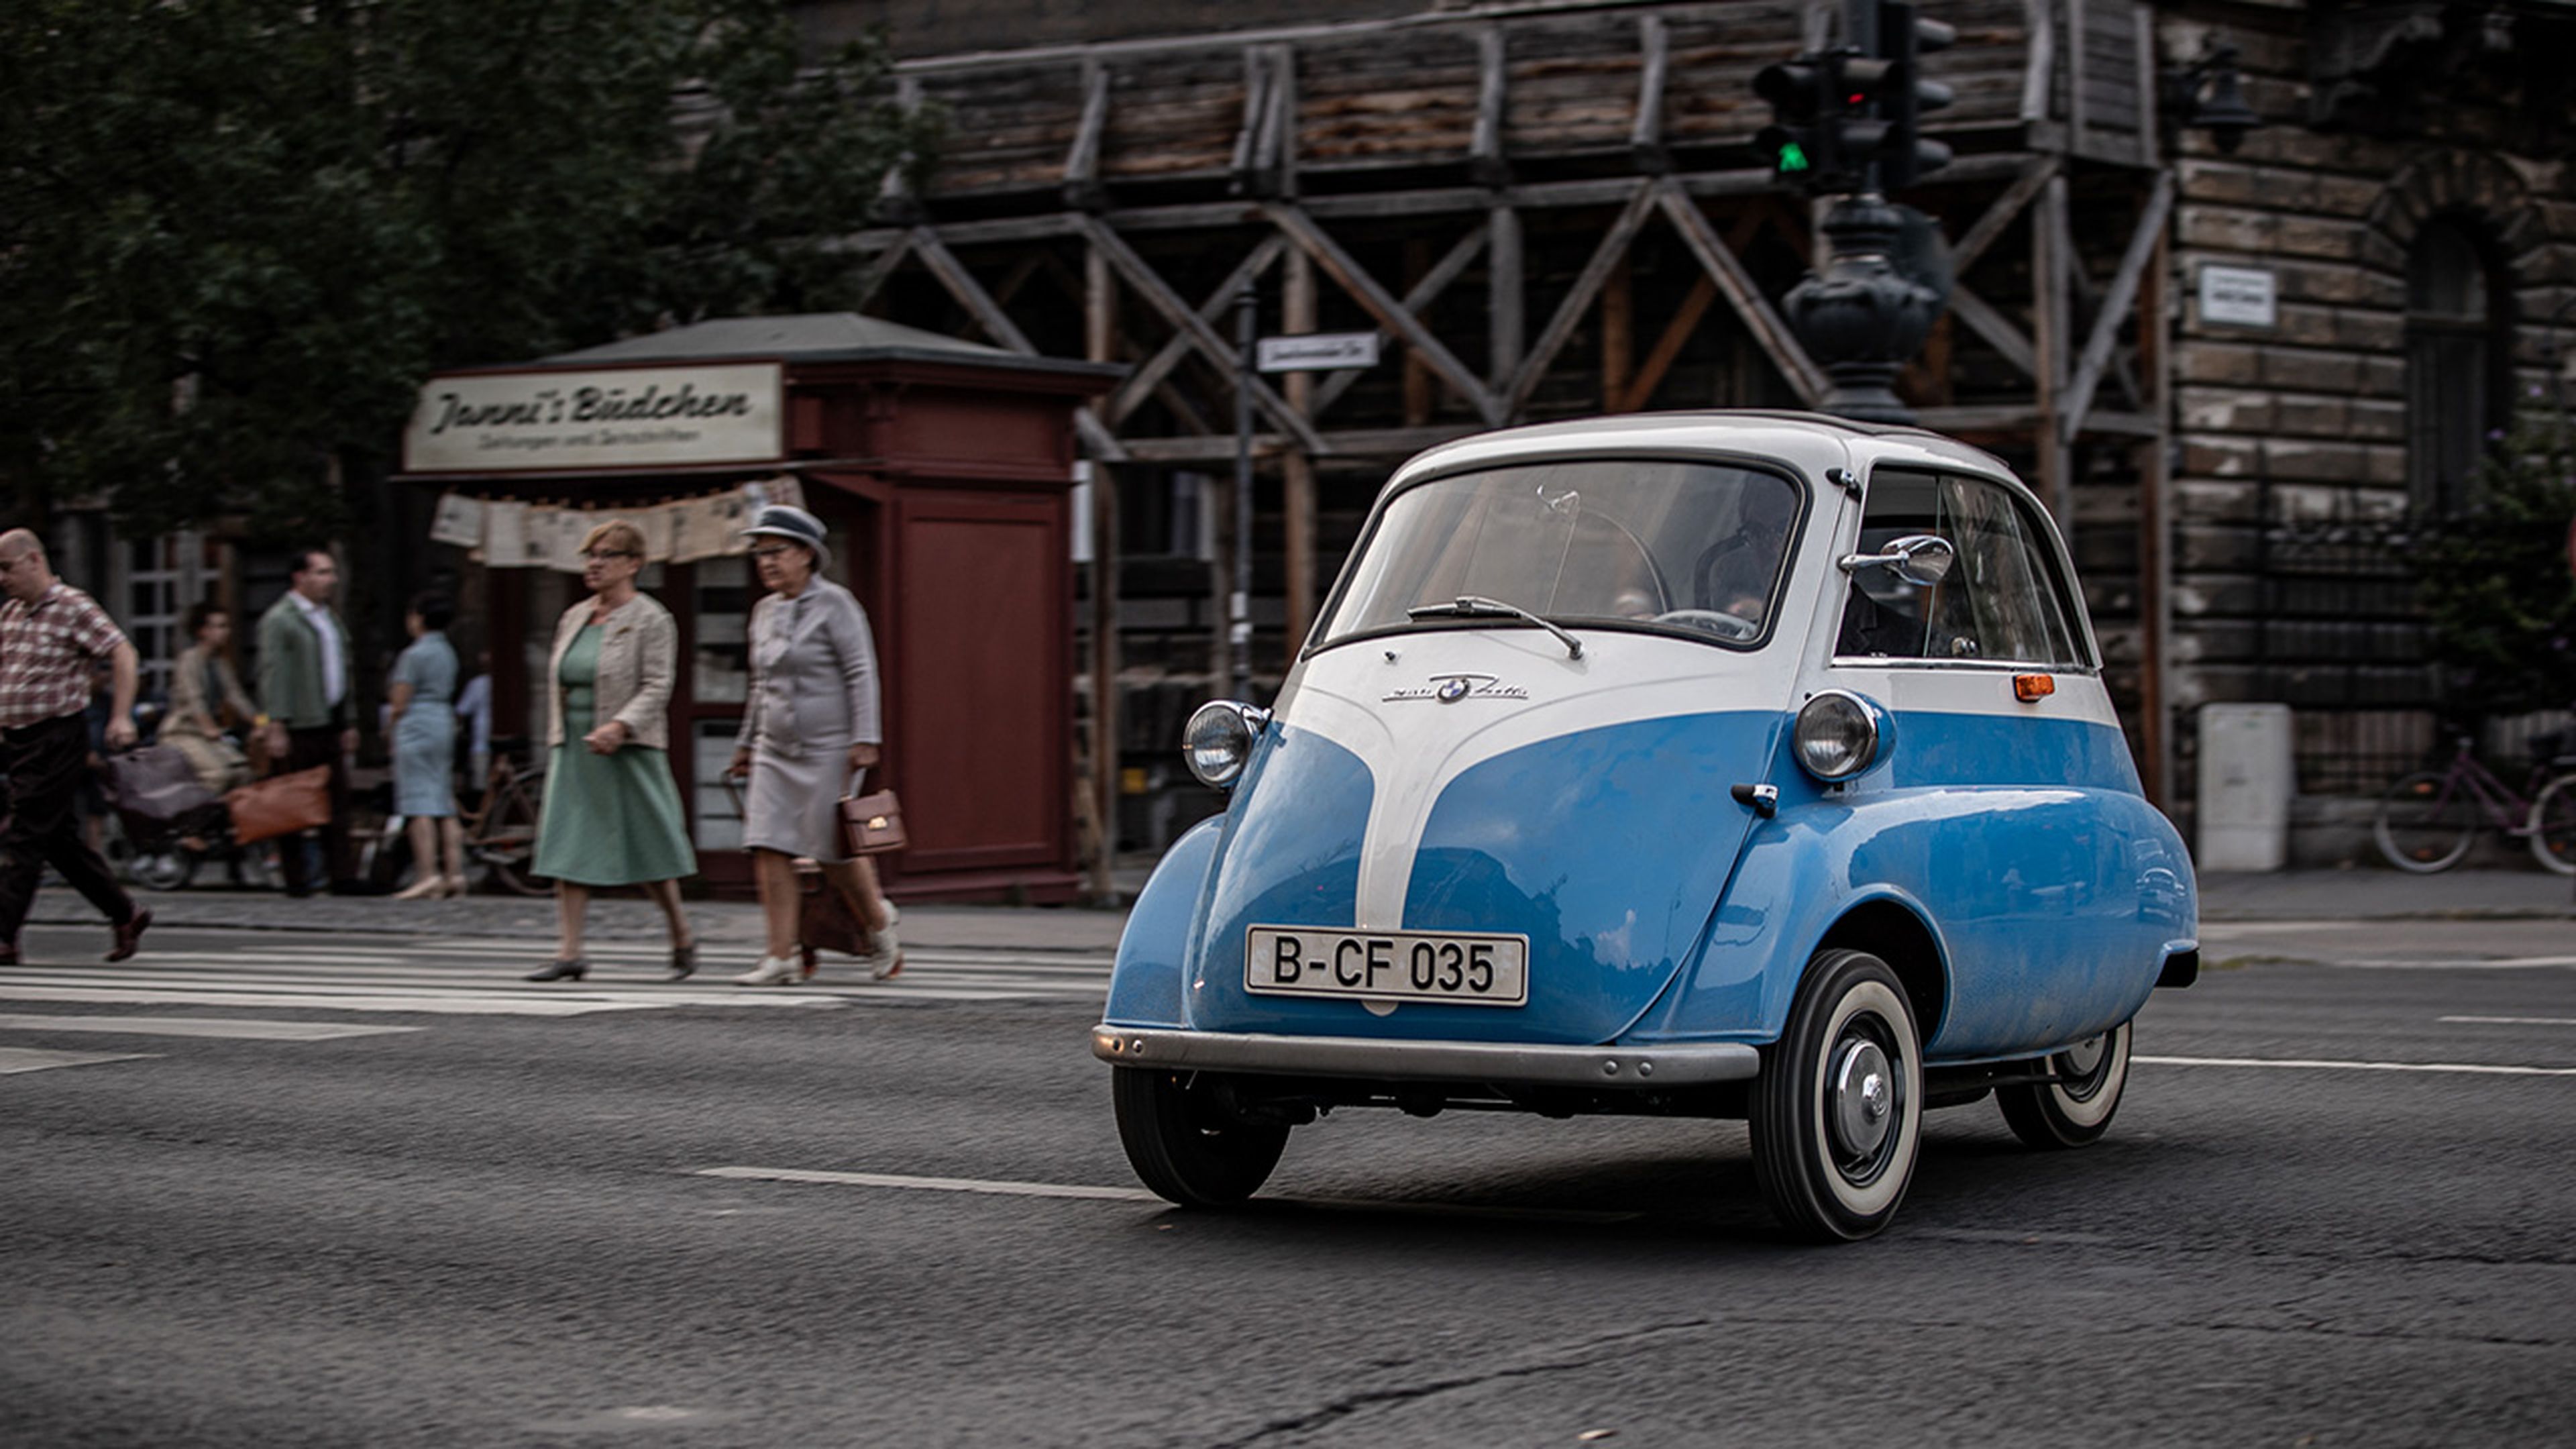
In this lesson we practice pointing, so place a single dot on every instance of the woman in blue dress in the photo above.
(422, 691)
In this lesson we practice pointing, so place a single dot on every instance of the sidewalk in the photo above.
(2366, 893)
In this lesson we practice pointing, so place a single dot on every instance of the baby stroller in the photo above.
(171, 821)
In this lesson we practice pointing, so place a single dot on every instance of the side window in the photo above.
(2002, 601)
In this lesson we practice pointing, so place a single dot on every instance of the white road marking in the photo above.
(2473, 1068)
(223, 1027)
(932, 1184)
(481, 978)
(2513, 1020)
(996, 1188)
(30, 1059)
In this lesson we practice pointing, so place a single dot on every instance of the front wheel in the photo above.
(164, 870)
(1837, 1114)
(2553, 825)
(1185, 1144)
(2075, 1109)
(508, 841)
(2426, 822)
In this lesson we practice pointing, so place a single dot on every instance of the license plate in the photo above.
(1446, 966)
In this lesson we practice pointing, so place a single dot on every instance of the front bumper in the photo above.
(1635, 1068)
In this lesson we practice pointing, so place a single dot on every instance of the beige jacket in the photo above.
(638, 655)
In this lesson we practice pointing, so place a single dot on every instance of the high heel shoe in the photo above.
(772, 971)
(684, 962)
(559, 971)
(456, 887)
(427, 888)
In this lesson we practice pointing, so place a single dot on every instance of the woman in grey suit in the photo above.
(810, 726)
(612, 813)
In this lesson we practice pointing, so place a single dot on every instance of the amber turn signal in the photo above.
(2031, 688)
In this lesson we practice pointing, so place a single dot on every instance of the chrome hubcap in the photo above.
(1863, 1098)
(2085, 1057)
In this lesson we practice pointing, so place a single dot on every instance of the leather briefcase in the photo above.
(281, 805)
(872, 824)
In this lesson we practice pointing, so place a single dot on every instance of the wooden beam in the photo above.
(2039, 66)
(1668, 347)
(1769, 332)
(2000, 215)
(1256, 115)
(1179, 314)
(2077, 101)
(1282, 153)
(997, 324)
(1390, 314)
(1082, 188)
(2115, 306)
(2050, 325)
(1503, 295)
(1383, 443)
(1618, 330)
(2155, 554)
(881, 271)
(2149, 81)
(1141, 383)
(1646, 133)
(1986, 322)
(1606, 256)
(1099, 327)
(1485, 163)
(1417, 300)
(1297, 315)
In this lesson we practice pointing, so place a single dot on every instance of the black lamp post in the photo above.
(1863, 317)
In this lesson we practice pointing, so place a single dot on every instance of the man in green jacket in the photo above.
(306, 689)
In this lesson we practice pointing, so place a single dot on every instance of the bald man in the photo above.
(50, 634)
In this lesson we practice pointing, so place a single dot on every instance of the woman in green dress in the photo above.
(612, 814)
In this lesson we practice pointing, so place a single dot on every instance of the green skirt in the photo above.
(610, 820)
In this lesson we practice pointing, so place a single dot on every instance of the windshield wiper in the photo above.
(1477, 606)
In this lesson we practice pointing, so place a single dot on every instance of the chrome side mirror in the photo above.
(1922, 559)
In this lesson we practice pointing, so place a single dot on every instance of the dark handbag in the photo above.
(155, 782)
(281, 805)
(872, 824)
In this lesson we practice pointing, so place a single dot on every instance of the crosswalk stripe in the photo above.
(479, 978)
(30, 1059)
(222, 1027)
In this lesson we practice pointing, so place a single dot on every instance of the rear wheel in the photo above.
(163, 870)
(1184, 1142)
(1837, 1114)
(508, 842)
(2425, 823)
(2074, 1110)
(2553, 825)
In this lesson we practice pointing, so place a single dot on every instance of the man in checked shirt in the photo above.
(49, 633)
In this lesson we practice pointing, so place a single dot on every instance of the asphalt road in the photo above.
(485, 1227)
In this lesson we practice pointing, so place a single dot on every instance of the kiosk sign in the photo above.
(636, 417)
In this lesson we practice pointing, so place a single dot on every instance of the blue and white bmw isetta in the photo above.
(1737, 764)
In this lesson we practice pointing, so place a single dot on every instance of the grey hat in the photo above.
(779, 520)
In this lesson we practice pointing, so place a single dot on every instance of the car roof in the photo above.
(1812, 441)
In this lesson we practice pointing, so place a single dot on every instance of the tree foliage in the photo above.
(235, 235)
(2494, 581)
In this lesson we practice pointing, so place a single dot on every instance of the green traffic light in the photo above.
(1792, 157)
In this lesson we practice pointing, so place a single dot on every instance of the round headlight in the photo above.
(1837, 735)
(1218, 740)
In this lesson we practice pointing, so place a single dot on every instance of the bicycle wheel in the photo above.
(2553, 825)
(2426, 822)
(508, 841)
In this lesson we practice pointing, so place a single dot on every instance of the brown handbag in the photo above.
(281, 805)
(872, 824)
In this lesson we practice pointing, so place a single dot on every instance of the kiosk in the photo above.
(943, 470)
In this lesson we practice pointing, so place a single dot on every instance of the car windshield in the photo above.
(1691, 548)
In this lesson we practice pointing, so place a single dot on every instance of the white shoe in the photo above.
(886, 960)
(772, 971)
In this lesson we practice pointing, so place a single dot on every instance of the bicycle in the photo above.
(2428, 820)
(501, 829)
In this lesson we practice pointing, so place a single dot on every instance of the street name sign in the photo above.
(2239, 296)
(1317, 352)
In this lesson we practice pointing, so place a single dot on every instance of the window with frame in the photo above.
(2453, 358)
(2004, 600)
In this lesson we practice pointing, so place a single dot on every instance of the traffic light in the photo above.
(1804, 143)
(1904, 38)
